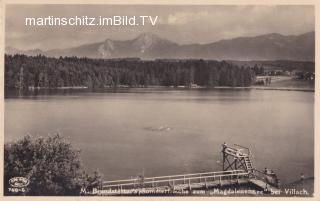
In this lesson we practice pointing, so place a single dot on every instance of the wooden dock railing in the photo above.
(203, 178)
(237, 169)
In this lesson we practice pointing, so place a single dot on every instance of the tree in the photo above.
(50, 164)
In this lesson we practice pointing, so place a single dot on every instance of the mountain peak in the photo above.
(147, 36)
(146, 41)
(108, 40)
(270, 36)
(273, 34)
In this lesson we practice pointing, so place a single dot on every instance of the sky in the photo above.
(181, 24)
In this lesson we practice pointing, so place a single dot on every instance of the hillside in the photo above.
(150, 46)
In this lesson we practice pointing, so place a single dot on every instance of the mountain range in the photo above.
(150, 46)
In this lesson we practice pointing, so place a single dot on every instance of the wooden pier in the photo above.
(237, 170)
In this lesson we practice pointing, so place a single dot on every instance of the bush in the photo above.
(50, 164)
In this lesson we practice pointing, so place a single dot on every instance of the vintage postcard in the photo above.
(193, 99)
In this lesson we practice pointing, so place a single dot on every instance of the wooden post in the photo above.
(205, 181)
(237, 179)
(223, 161)
(224, 147)
(235, 164)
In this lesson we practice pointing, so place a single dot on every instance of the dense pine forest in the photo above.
(23, 72)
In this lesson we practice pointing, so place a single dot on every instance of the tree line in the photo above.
(22, 72)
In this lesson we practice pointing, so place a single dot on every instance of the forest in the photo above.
(285, 65)
(24, 72)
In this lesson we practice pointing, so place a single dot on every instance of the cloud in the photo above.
(179, 23)
(180, 18)
(17, 35)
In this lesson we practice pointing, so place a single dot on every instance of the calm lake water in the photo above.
(164, 131)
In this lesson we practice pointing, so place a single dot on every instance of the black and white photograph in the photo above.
(177, 100)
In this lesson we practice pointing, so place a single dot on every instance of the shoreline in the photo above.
(271, 88)
(255, 87)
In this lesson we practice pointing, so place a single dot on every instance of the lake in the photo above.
(125, 132)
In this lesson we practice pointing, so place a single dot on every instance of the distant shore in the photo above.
(256, 87)
(270, 88)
